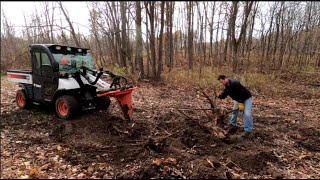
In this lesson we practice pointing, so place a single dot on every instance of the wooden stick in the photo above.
(185, 114)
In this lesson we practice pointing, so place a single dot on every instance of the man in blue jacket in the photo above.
(239, 94)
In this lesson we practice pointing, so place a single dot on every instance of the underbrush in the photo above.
(208, 78)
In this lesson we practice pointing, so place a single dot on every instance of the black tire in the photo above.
(103, 103)
(66, 107)
(22, 99)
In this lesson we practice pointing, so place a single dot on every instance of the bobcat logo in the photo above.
(64, 61)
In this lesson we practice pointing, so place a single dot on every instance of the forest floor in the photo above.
(162, 143)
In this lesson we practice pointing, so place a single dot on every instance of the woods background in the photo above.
(149, 39)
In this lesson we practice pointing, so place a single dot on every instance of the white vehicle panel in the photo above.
(68, 83)
(20, 77)
(64, 83)
(71, 83)
(101, 85)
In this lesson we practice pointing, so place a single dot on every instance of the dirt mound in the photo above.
(195, 135)
(207, 168)
(255, 163)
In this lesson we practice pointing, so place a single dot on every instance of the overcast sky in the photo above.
(15, 10)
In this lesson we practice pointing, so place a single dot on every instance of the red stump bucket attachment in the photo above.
(124, 98)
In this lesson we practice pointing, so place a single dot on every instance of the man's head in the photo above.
(223, 79)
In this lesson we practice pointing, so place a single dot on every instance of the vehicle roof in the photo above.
(52, 45)
(62, 50)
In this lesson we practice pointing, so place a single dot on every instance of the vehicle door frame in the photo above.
(44, 86)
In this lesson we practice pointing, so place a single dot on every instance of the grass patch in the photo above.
(256, 81)
(310, 69)
(208, 78)
(116, 69)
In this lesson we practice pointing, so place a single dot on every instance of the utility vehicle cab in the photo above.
(50, 63)
(65, 76)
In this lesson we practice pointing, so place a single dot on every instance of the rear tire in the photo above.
(103, 103)
(22, 100)
(66, 107)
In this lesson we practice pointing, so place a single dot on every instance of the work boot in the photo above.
(246, 135)
(232, 129)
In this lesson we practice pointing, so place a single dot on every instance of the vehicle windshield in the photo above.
(71, 63)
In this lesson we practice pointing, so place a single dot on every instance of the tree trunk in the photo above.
(160, 42)
(217, 52)
(139, 47)
(147, 44)
(190, 33)
(232, 26)
(248, 47)
(151, 13)
(123, 34)
(269, 35)
(227, 42)
(171, 36)
(276, 41)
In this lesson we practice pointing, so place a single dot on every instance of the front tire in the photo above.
(66, 107)
(103, 103)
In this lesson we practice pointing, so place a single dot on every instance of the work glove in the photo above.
(241, 106)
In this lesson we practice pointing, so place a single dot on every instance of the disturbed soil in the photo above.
(160, 142)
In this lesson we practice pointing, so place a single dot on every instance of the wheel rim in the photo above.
(62, 108)
(21, 100)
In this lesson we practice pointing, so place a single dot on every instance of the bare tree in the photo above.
(139, 47)
(210, 24)
(249, 42)
(95, 32)
(190, 32)
(160, 42)
(235, 42)
(150, 8)
(147, 46)
(227, 41)
(73, 33)
(168, 39)
(123, 34)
